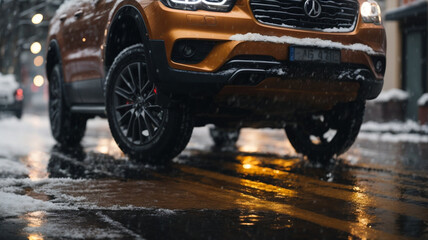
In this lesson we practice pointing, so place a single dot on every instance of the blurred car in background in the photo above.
(11, 95)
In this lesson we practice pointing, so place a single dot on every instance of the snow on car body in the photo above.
(156, 69)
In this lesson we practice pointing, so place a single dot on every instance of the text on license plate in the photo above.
(314, 55)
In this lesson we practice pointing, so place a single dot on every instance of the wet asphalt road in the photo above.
(259, 190)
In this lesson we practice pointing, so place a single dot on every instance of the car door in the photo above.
(83, 62)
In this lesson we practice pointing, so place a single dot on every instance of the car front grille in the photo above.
(336, 15)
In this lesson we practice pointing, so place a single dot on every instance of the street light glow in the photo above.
(37, 18)
(36, 47)
(38, 81)
(38, 61)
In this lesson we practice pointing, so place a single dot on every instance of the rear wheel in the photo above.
(325, 135)
(67, 128)
(142, 128)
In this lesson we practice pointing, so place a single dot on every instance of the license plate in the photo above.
(314, 55)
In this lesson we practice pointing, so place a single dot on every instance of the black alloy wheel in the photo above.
(134, 100)
(142, 128)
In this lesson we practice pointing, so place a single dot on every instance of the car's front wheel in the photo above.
(142, 128)
(325, 135)
(67, 128)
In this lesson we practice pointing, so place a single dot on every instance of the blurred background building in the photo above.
(23, 29)
(406, 27)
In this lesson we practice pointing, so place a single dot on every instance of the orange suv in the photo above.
(156, 69)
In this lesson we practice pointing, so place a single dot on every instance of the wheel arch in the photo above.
(53, 57)
(127, 28)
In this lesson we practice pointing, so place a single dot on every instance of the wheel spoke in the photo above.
(134, 89)
(127, 83)
(139, 75)
(125, 114)
(133, 128)
(124, 106)
(140, 129)
(150, 96)
(123, 93)
(144, 87)
(130, 123)
(148, 125)
(153, 119)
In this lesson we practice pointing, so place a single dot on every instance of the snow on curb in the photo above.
(395, 127)
(392, 95)
(394, 132)
(393, 138)
(313, 42)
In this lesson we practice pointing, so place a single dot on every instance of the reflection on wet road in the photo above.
(259, 190)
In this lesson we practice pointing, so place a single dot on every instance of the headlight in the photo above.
(371, 13)
(193, 5)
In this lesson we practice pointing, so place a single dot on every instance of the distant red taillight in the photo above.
(19, 94)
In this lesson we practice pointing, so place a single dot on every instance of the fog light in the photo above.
(379, 66)
(188, 51)
(191, 51)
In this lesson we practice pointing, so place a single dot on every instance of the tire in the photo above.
(224, 137)
(67, 128)
(18, 113)
(312, 137)
(143, 129)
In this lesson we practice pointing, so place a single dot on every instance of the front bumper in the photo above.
(252, 71)
(230, 62)
(172, 25)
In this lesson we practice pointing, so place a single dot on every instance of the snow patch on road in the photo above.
(14, 202)
(20, 137)
(10, 168)
(13, 205)
(201, 139)
(313, 42)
